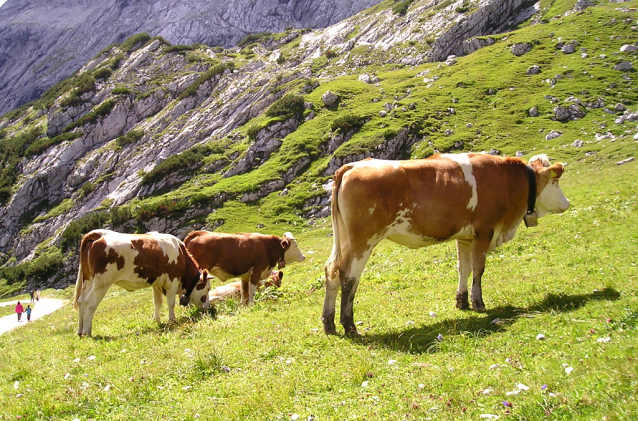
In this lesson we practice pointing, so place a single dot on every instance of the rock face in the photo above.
(493, 17)
(42, 43)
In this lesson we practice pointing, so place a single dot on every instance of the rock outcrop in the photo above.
(43, 43)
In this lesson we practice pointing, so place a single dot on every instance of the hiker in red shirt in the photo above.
(19, 310)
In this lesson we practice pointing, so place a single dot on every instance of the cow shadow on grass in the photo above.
(425, 338)
(180, 323)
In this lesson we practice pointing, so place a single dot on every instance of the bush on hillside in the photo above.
(289, 106)
(347, 122)
(134, 42)
(73, 233)
(129, 137)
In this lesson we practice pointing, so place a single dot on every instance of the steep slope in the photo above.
(43, 43)
(149, 136)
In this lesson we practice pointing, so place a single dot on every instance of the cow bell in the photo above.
(183, 300)
(530, 219)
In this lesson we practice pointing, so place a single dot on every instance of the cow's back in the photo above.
(233, 254)
(421, 202)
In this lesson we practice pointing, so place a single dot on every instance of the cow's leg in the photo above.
(245, 289)
(480, 246)
(464, 250)
(81, 306)
(91, 301)
(349, 282)
(255, 278)
(157, 300)
(328, 315)
(170, 301)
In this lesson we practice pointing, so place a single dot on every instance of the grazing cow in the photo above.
(478, 200)
(233, 289)
(250, 257)
(136, 261)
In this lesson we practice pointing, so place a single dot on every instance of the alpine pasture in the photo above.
(572, 279)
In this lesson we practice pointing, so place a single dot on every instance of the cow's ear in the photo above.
(285, 243)
(555, 171)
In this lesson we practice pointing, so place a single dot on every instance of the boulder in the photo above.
(329, 99)
(520, 49)
(623, 66)
(534, 70)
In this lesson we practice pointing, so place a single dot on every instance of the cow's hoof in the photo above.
(330, 329)
(462, 302)
(351, 332)
(478, 307)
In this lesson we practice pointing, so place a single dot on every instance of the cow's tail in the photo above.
(332, 264)
(87, 240)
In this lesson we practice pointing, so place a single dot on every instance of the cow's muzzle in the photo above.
(183, 300)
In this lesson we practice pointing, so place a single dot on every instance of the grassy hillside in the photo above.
(573, 278)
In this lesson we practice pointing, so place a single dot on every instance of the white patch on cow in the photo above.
(169, 244)
(465, 233)
(293, 254)
(464, 162)
(371, 210)
(377, 163)
(551, 199)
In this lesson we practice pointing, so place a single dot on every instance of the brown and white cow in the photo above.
(136, 261)
(478, 200)
(250, 257)
(233, 289)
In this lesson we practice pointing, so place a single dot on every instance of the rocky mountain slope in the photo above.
(42, 43)
(153, 136)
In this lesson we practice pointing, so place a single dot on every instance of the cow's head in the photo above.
(275, 279)
(551, 197)
(199, 296)
(292, 253)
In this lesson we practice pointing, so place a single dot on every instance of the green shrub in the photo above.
(249, 39)
(38, 270)
(129, 137)
(253, 131)
(120, 90)
(82, 84)
(174, 163)
(347, 122)
(289, 106)
(209, 74)
(120, 215)
(134, 42)
(12, 150)
(99, 111)
(401, 8)
(102, 73)
(162, 208)
(115, 61)
(45, 143)
(72, 234)
(179, 48)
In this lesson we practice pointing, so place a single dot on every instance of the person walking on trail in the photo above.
(37, 295)
(28, 311)
(19, 310)
(32, 294)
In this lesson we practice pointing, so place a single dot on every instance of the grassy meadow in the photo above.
(573, 279)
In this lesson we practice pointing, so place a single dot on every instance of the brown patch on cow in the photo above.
(99, 259)
(151, 262)
(235, 254)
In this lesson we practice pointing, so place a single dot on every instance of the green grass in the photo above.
(572, 278)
